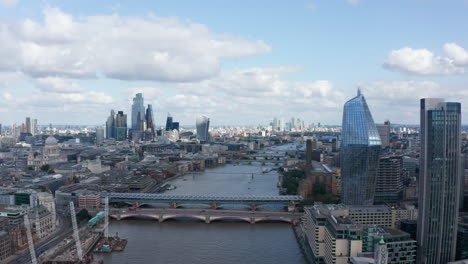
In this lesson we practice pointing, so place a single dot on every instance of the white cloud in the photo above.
(457, 53)
(120, 47)
(58, 85)
(399, 100)
(420, 61)
(9, 3)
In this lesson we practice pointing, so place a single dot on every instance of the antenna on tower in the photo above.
(359, 91)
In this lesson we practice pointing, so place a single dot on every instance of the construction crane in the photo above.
(30, 239)
(76, 232)
(106, 219)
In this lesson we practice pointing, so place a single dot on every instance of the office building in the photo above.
(169, 122)
(121, 126)
(203, 124)
(359, 153)
(110, 125)
(99, 136)
(138, 112)
(384, 133)
(389, 187)
(439, 178)
(150, 120)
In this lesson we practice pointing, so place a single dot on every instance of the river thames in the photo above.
(192, 241)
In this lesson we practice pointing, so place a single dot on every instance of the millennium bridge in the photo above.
(215, 201)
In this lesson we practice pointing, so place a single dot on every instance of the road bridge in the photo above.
(214, 201)
(206, 216)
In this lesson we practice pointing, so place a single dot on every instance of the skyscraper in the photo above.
(121, 126)
(150, 120)
(28, 125)
(110, 125)
(34, 129)
(359, 153)
(138, 107)
(169, 122)
(203, 124)
(439, 178)
(99, 136)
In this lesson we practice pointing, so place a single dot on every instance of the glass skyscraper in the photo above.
(359, 153)
(138, 107)
(203, 124)
(439, 179)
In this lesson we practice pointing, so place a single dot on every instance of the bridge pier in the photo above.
(161, 218)
(252, 220)
(173, 205)
(214, 206)
(207, 219)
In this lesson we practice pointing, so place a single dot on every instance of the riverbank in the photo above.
(303, 242)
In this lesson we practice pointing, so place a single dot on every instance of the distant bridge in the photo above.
(213, 200)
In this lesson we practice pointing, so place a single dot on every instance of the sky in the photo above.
(237, 62)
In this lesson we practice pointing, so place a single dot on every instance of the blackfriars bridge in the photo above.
(207, 216)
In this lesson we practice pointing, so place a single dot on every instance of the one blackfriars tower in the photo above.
(439, 180)
(359, 153)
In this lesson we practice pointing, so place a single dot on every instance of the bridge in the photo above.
(207, 216)
(214, 201)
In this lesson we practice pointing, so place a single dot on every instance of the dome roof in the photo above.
(51, 140)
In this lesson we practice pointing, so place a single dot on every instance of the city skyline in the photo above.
(294, 75)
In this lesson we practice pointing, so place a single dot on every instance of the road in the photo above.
(61, 233)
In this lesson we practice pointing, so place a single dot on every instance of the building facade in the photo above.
(389, 187)
(440, 173)
(203, 125)
(359, 153)
(138, 111)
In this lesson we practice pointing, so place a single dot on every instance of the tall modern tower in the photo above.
(169, 125)
(150, 120)
(138, 107)
(110, 125)
(121, 126)
(439, 178)
(359, 153)
(203, 125)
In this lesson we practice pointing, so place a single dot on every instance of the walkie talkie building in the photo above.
(359, 153)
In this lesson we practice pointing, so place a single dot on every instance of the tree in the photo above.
(45, 167)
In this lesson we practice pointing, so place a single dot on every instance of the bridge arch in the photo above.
(219, 218)
(197, 217)
(286, 220)
(125, 216)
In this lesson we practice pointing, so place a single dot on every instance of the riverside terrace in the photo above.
(214, 201)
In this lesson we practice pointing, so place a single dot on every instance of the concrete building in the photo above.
(90, 200)
(439, 180)
(42, 222)
(389, 187)
(335, 236)
(5, 246)
(48, 201)
(384, 133)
